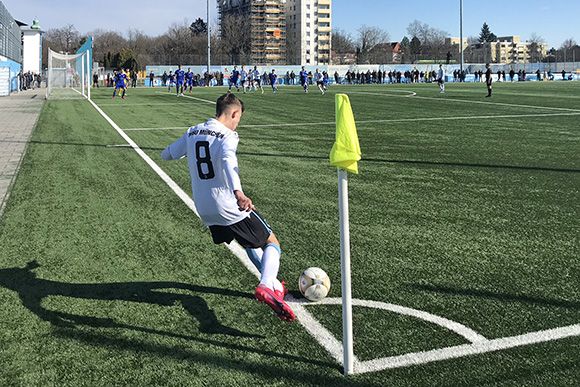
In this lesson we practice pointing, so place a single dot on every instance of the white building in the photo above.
(32, 48)
(308, 31)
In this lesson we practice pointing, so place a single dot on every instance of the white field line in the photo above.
(188, 96)
(385, 121)
(469, 101)
(499, 104)
(330, 343)
(417, 358)
(122, 104)
(460, 329)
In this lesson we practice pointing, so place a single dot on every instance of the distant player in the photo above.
(441, 79)
(273, 78)
(120, 83)
(210, 148)
(189, 76)
(257, 79)
(488, 80)
(319, 78)
(244, 78)
(179, 80)
(235, 74)
(304, 79)
(171, 79)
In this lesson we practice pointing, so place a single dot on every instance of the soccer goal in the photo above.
(68, 76)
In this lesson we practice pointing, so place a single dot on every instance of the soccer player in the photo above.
(257, 79)
(189, 75)
(244, 78)
(179, 80)
(273, 78)
(304, 79)
(488, 80)
(210, 148)
(235, 74)
(171, 80)
(319, 78)
(441, 79)
(120, 83)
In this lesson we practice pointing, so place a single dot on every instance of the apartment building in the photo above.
(507, 49)
(308, 29)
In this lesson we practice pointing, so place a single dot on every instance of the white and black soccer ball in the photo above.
(314, 284)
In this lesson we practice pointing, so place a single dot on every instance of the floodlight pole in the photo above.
(461, 34)
(208, 45)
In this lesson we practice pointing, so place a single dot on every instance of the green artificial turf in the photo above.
(465, 207)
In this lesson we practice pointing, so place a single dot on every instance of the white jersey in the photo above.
(319, 77)
(211, 156)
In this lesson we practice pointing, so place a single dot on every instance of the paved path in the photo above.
(18, 115)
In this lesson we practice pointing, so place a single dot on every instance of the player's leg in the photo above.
(253, 232)
(115, 91)
(124, 91)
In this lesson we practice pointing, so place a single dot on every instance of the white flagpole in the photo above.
(345, 264)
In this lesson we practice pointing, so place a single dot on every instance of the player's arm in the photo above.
(231, 169)
(177, 150)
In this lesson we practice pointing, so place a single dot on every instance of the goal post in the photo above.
(67, 76)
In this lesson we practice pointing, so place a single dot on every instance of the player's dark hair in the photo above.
(225, 102)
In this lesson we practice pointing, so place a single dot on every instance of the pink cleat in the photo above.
(275, 300)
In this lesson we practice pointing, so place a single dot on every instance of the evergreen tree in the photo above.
(415, 46)
(486, 35)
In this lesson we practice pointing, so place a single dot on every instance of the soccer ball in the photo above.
(314, 284)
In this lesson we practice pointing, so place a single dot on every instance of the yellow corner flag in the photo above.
(346, 150)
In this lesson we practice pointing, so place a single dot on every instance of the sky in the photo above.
(554, 21)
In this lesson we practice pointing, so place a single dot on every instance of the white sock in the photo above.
(270, 267)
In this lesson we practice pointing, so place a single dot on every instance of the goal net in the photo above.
(68, 76)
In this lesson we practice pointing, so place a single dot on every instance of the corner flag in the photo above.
(345, 154)
(346, 150)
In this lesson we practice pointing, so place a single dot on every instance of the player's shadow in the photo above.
(497, 295)
(33, 290)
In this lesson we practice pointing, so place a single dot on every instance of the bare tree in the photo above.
(368, 38)
(535, 48)
(432, 39)
(236, 38)
(66, 39)
(342, 41)
(567, 48)
(420, 30)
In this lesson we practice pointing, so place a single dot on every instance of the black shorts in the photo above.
(252, 232)
(440, 81)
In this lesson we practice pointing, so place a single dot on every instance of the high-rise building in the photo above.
(267, 27)
(308, 31)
